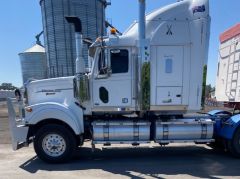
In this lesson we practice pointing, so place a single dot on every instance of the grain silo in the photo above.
(59, 35)
(34, 63)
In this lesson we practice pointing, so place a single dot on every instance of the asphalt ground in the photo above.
(147, 161)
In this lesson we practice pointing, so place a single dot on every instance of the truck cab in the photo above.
(112, 80)
(142, 87)
(169, 75)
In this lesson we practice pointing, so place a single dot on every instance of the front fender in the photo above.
(69, 114)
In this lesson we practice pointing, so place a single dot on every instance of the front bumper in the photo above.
(18, 130)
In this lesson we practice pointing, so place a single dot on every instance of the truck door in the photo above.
(115, 90)
(169, 70)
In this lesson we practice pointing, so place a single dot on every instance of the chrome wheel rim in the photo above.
(54, 145)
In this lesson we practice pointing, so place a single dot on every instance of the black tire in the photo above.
(234, 144)
(217, 145)
(42, 138)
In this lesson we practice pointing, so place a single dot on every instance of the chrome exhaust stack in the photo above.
(80, 65)
(142, 21)
(81, 81)
(143, 84)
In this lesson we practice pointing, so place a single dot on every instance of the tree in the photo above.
(208, 91)
(7, 86)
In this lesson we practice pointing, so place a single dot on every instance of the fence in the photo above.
(213, 102)
(6, 94)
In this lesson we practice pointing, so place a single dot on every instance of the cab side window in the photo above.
(119, 61)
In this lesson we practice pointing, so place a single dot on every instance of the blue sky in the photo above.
(21, 21)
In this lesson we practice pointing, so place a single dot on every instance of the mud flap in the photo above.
(18, 132)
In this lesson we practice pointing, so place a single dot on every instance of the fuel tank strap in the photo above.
(204, 131)
(106, 132)
(165, 132)
(136, 132)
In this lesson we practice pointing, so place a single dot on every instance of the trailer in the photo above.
(227, 80)
(144, 86)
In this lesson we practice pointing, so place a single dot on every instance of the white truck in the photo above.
(142, 87)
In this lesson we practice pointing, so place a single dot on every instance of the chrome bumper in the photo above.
(18, 131)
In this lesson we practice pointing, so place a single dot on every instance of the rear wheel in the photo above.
(217, 145)
(54, 143)
(234, 144)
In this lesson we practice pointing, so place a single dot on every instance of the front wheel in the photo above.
(54, 143)
(234, 144)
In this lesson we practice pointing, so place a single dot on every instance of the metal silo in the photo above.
(34, 63)
(59, 35)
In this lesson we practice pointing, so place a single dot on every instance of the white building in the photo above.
(228, 74)
(6, 94)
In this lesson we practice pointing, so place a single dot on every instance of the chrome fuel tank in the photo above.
(121, 132)
(184, 130)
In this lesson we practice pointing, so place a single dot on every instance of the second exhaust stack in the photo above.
(143, 61)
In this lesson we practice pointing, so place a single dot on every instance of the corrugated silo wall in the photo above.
(33, 66)
(59, 35)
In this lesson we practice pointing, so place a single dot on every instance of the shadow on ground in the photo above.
(194, 161)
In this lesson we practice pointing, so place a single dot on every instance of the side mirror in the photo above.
(109, 71)
(104, 68)
(104, 73)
